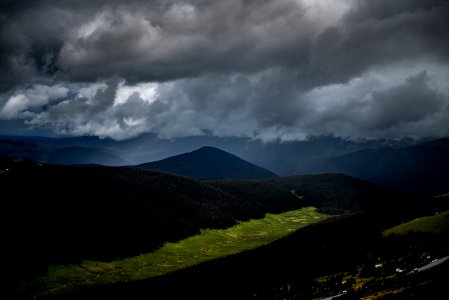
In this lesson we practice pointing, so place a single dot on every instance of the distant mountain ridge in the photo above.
(404, 164)
(283, 158)
(207, 163)
(422, 169)
(70, 154)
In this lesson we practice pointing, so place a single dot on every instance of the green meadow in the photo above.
(209, 244)
(429, 224)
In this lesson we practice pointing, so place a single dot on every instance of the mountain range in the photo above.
(402, 164)
(281, 157)
(422, 168)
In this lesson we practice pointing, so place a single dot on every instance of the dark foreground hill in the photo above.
(209, 163)
(55, 214)
(422, 169)
(312, 263)
(67, 213)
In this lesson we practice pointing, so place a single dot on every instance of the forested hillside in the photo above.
(331, 193)
(69, 213)
(336, 256)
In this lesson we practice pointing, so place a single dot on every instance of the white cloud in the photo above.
(18, 105)
(14, 106)
(327, 12)
(89, 91)
(145, 91)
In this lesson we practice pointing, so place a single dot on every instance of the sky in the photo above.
(279, 70)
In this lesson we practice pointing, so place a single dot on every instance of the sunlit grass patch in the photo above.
(429, 224)
(209, 244)
(442, 196)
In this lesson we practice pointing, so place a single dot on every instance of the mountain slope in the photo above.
(68, 213)
(292, 267)
(57, 214)
(209, 163)
(420, 169)
(331, 193)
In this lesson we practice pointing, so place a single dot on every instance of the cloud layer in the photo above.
(260, 69)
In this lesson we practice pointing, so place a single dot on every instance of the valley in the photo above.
(209, 244)
(208, 221)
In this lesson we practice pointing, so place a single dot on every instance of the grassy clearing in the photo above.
(436, 224)
(442, 196)
(210, 244)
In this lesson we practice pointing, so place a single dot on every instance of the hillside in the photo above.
(419, 169)
(209, 163)
(331, 193)
(428, 224)
(315, 262)
(68, 213)
(208, 245)
(103, 212)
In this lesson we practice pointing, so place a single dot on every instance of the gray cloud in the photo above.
(387, 112)
(261, 69)
(410, 102)
(381, 32)
(252, 106)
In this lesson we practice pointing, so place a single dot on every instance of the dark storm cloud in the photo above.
(385, 112)
(155, 40)
(263, 69)
(183, 39)
(410, 102)
(152, 40)
(381, 32)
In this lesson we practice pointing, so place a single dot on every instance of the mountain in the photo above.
(282, 157)
(73, 154)
(421, 169)
(209, 163)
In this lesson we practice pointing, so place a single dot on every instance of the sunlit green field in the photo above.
(208, 245)
(437, 223)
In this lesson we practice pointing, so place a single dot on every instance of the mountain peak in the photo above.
(209, 149)
(208, 163)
